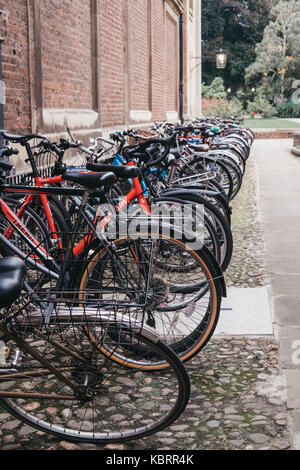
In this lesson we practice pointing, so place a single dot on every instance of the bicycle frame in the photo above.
(44, 262)
(119, 160)
(136, 193)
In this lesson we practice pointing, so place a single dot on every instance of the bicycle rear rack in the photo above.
(194, 179)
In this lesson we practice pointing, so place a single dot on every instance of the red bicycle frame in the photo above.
(136, 193)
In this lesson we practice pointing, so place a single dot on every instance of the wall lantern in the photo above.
(221, 59)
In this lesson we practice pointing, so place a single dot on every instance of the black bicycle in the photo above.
(59, 378)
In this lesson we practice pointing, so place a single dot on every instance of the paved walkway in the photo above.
(279, 183)
(297, 120)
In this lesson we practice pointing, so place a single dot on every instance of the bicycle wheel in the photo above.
(186, 215)
(120, 404)
(152, 290)
(219, 223)
(236, 174)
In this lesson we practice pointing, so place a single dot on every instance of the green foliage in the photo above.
(288, 110)
(266, 92)
(223, 108)
(235, 26)
(278, 54)
(261, 106)
(215, 90)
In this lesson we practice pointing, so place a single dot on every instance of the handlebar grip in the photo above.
(85, 150)
(117, 137)
(8, 151)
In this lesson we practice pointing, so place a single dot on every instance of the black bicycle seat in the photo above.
(121, 171)
(199, 148)
(16, 138)
(12, 272)
(90, 180)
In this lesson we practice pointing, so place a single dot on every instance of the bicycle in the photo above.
(56, 380)
(129, 273)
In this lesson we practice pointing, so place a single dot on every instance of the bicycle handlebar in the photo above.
(165, 142)
(8, 151)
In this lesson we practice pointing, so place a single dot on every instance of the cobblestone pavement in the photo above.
(247, 267)
(238, 398)
(237, 402)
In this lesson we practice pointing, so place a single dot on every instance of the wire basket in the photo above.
(97, 288)
(142, 136)
(78, 279)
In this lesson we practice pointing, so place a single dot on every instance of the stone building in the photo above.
(97, 65)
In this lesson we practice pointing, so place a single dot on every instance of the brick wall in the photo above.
(15, 64)
(274, 134)
(158, 61)
(112, 44)
(171, 64)
(49, 62)
(139, 50)
(66, 54)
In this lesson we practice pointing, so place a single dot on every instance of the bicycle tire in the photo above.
(208, 317)
(106, 426)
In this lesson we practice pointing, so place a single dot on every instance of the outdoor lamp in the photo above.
(221, 59)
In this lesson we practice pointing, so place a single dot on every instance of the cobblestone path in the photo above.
(238, 398)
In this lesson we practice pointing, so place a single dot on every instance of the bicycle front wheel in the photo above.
(161, 283)
(121, 404)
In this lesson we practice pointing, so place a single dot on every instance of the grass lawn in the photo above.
(270, 124)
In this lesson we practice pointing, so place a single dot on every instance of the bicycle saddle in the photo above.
(90, 180)
(169, 160)
(199, 148)
(123, 172)
(16, 138)
(12, 272)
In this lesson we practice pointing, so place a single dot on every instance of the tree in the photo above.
(236, 26)
(215, 90)
(278, 54)
(261, 104)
